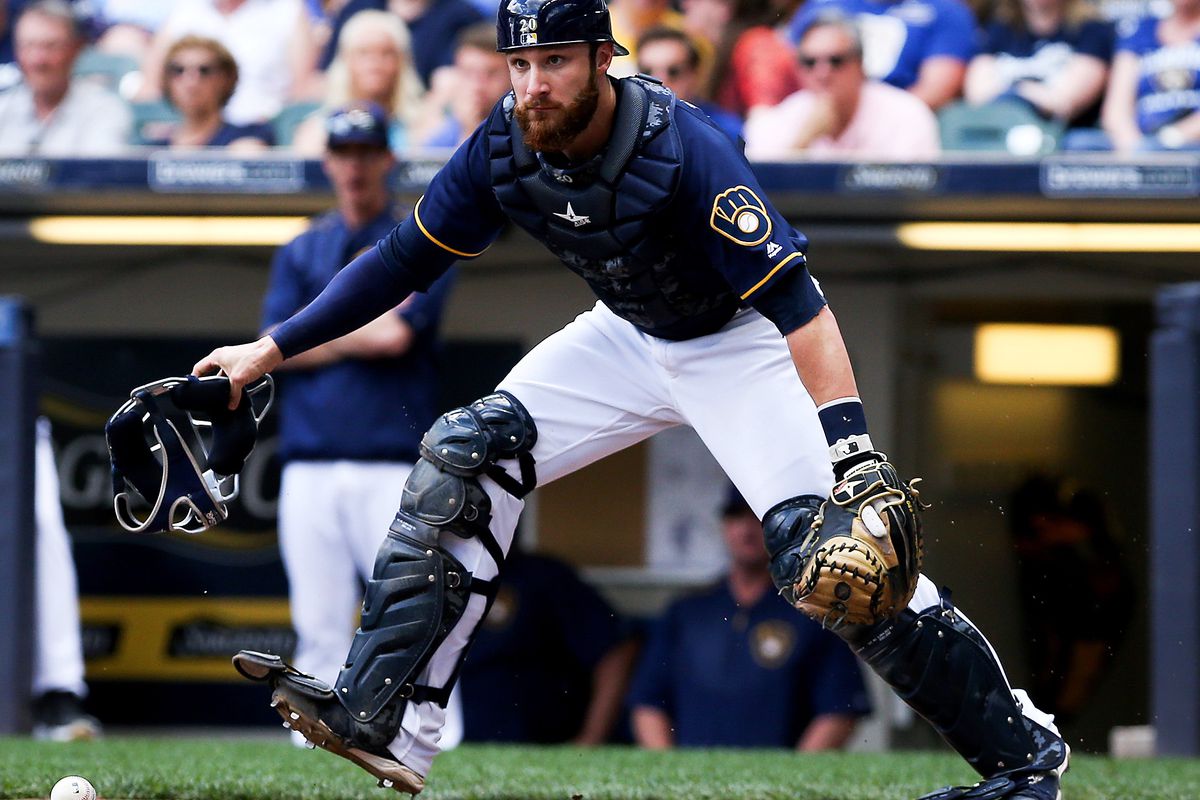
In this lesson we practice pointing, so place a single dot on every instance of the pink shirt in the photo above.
(889, 125)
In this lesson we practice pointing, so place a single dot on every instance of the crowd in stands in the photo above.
(876, 79)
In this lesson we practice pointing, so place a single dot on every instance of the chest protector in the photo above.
(609, 225)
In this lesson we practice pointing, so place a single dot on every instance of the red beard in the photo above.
(543, 134)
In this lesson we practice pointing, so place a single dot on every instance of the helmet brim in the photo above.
(618, 48)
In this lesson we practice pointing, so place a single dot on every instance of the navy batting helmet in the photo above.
(161, 461)
(538, 23)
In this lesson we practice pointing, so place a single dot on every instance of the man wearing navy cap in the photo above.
(735, 666)
(343, 471)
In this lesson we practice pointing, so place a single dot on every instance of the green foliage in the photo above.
(240, 769)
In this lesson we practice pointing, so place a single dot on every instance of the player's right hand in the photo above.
(242, 364)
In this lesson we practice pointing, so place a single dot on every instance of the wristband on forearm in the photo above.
(845, 425)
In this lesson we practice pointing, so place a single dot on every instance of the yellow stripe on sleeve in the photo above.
(432, 238)
(768, 276)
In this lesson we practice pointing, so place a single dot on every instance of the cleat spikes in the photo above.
(287, 724)
(294, 715)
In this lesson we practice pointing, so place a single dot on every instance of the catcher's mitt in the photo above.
(860, 559)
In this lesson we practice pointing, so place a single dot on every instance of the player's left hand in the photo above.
(242, 364)
(862, 556)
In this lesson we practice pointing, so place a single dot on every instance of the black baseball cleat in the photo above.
(308, 705)
(1043, 785)
(58, 716)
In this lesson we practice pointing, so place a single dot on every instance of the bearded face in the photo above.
(551, 129)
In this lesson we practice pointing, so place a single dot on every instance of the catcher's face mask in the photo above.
(177, 445)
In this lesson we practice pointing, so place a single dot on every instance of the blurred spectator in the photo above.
(1051, 54)
(271, 40)
(48, 113)
(922, 46)
(58, 685)
(1152, 100)
(632, 18)
(343, 473)
(198, 81)
(672, 56)
(127, 27)
(435, 25)
(375, 65)
(550, 662)
(465, 92)
(736, 666)
(753, 65)
(10, 73)
(1076, 592)
(839, 113)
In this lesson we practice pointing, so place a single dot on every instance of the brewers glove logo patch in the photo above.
(739, 215)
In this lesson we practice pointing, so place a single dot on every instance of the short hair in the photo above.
(838, 20)
(59, 10)
(225, 62)
(478, 35)
(665, 33)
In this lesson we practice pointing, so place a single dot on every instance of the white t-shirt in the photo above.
(890, 124)
(257, 33)
(90, 121)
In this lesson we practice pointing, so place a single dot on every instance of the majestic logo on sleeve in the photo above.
(739, 215)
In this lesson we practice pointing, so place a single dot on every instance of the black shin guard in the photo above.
(419, 591)
(940, 665)
(417, 594)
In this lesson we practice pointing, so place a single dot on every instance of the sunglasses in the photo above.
(671, 72)
(836, 61)
(203, 70)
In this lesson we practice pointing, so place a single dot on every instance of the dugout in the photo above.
(136, 266)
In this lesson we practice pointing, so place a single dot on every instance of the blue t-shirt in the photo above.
(229, 133)
(727, 234)
(898, 37)
(528, 677)
(744, 677)
(1168, 87)
(386, 404)
(1024, 56)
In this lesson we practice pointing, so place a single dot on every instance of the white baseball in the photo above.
(73, 787)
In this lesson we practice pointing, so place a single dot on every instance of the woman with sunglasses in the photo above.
(198, 80)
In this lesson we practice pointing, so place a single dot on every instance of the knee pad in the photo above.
(787, 528)
(443, 489)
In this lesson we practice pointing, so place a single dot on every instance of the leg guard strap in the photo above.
(939, 664)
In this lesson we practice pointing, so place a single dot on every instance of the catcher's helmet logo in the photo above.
(529, 31)
(739, 214)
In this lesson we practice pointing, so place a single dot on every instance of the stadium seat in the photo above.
(108, 69)
(287, 120)
(152, 120)
(1002, 126)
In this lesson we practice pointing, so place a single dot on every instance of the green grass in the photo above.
(226, 769)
